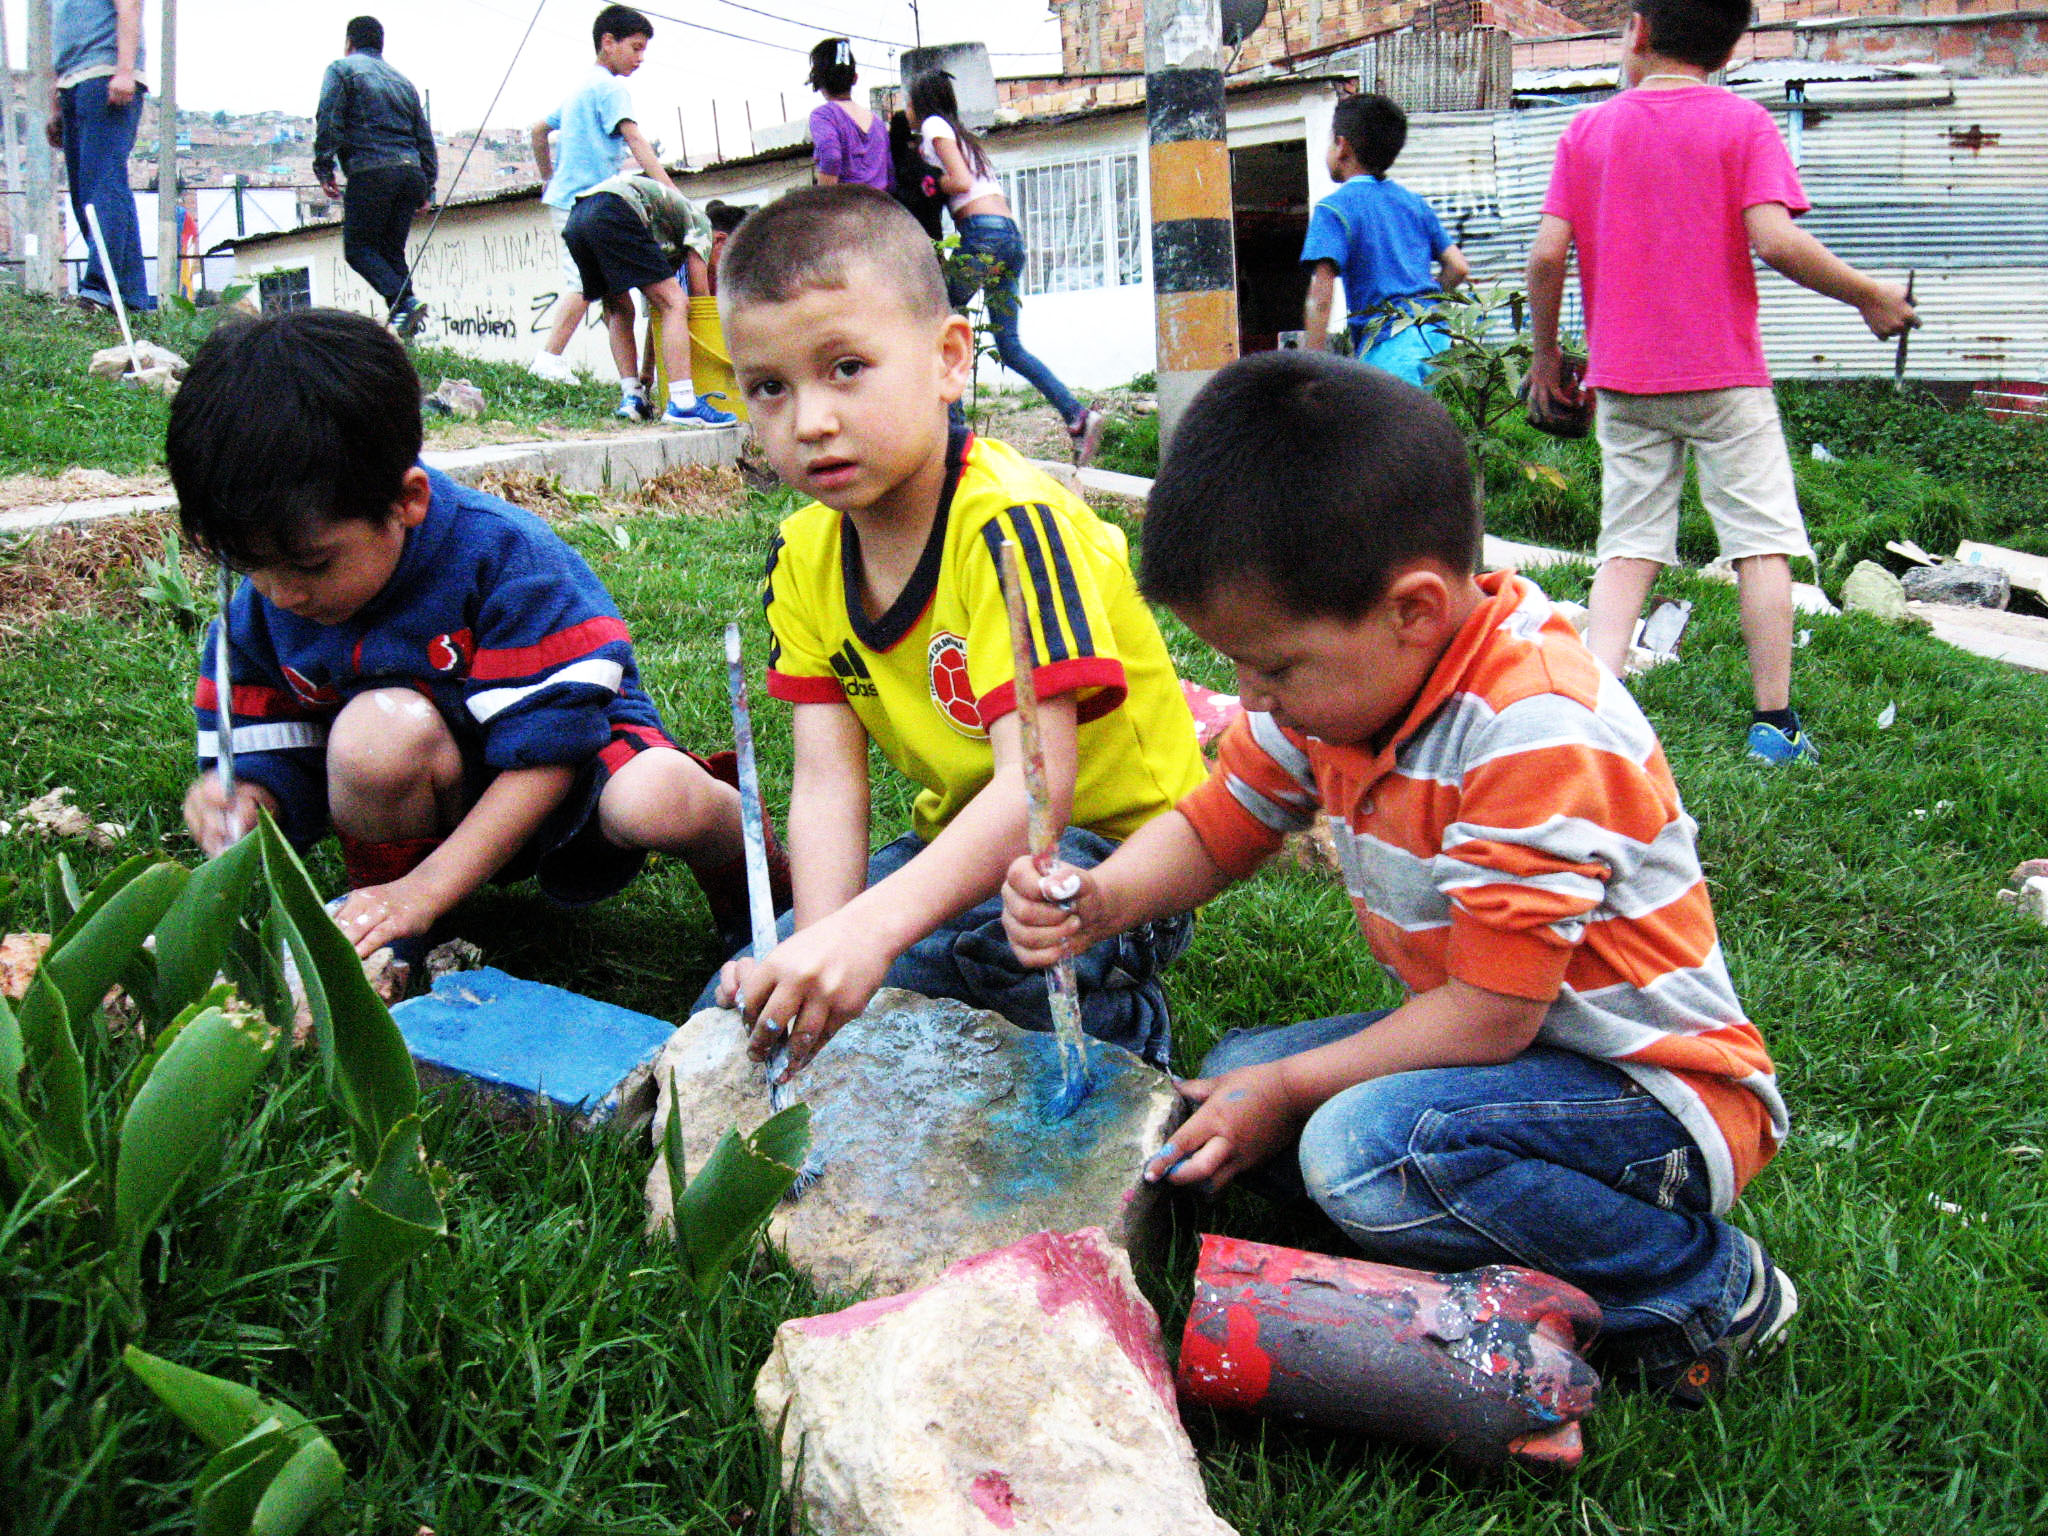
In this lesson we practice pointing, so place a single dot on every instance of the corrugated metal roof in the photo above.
(1956, 192)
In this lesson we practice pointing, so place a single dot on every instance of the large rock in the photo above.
(1025, 1391)
(928, 1119)
(1964, 586)
(1870, 588)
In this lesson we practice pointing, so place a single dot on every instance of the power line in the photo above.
(738, 37)
(810, 27)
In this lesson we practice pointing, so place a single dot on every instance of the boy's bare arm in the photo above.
(1782, 245)
(505, 815)
(1162, 869)
(643, 153)
(537, 137)
(1452, 268)
(828, 970)
(1248, 1115)
(1315, 314)
(1549, 258)
(828, 810)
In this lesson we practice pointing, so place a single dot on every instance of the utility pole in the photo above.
(1194, 247)
(39, 243)
(169, 265)
(10, 166)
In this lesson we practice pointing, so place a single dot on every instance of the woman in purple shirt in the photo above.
(849, 143)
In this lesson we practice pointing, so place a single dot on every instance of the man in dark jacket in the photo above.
(370, 117)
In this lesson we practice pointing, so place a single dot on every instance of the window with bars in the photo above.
(290, 288)
(1081, 223)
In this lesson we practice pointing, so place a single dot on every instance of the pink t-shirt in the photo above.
(1654, 184)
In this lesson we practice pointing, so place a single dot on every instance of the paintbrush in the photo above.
(1060, 989)
(760, 897)
(224, 699)
(1899, 360)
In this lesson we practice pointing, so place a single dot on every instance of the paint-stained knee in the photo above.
(389, 740)
(1355, 1162)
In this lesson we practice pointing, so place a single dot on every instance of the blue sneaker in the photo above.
(1768, 744)
(702, 414)
(633, 408)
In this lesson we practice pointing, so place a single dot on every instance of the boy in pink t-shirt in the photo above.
(1666, 190)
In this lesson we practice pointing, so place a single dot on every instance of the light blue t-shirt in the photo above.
(590, 147)
(1382, 237)
(82, 37)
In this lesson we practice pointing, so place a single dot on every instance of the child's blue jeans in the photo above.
(1122, 1000)
(991, 259)
(1553, 1160)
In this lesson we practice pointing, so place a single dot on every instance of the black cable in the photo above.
(822, 31)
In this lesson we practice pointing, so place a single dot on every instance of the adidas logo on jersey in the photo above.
(853, 673)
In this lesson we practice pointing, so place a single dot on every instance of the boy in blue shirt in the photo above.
(1382, 238)
(427, 669)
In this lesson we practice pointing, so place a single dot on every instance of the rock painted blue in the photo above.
(530, 1041)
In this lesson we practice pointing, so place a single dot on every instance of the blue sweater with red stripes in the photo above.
(488, 614)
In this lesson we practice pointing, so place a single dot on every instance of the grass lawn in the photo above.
(53, 415)
(546, 1379)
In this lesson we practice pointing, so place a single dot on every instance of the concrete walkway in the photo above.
(615, 463)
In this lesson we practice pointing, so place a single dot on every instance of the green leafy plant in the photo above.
(272, 1471)
(1479, 371)
(165, 585)
(734, 1193)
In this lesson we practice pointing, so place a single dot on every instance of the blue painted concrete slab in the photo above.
(530, 1041)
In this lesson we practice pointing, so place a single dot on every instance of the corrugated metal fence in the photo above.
(1899, 179)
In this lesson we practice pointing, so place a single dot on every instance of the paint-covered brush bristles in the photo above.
(1061, 992)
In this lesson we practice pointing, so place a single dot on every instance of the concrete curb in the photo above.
(616, 463)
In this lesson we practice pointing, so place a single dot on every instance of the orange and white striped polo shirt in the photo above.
(1522, 833)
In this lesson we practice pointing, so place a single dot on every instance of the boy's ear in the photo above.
(415, 493)
(1419, 604)
(956, 357)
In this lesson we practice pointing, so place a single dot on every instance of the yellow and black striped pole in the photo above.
(1194, 249)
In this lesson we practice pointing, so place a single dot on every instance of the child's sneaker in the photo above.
(1758, 1324)
(702, 414)
(1087, 436)
(633, 408)
(556, 370)
(725, 889)
(408, 318)
(1768, 744)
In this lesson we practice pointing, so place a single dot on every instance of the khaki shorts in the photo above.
(572, 275)
(1745, 473)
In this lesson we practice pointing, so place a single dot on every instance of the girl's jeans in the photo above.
(991, 259)
(970, 958)
(1553, 1160)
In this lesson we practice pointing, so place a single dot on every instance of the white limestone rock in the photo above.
(1024, 1391)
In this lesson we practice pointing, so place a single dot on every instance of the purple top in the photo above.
(841, 150)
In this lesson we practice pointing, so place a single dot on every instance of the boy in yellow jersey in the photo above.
(889, 626)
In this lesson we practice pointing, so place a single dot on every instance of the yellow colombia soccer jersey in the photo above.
(934, 672)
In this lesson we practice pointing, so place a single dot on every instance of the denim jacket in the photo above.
(370, 115)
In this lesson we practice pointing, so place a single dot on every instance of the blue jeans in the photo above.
(990, 259)
(969, 958)
(97, 139)
(1553, 1160)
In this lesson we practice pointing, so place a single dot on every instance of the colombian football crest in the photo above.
(946, 660)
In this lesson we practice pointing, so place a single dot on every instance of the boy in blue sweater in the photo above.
(427, 669)
(1382, 238)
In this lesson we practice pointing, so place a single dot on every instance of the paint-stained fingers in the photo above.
(1213, 1162)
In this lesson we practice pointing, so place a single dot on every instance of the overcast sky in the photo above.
(252, 55)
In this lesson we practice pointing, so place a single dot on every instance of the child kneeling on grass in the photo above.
(426, 667)
(889, 625)
(1572, 1084)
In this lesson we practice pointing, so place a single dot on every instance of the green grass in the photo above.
(53, 415)
(546, 1382)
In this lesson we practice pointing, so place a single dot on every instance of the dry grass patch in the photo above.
(83, 568)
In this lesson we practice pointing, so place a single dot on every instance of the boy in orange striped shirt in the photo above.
(1572, 1084)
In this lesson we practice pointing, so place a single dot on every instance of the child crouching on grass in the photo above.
(426, 668)
(1571, 1084)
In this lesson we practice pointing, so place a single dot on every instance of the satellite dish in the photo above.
(1241, 19)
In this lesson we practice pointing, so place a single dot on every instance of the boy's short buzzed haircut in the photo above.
(285, 422)
(366, 32)
(1318, 477)
(811, 238)
(1698, 32)
(619, 21)
(1374, 127)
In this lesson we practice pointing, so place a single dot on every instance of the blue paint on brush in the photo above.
(531, 1042)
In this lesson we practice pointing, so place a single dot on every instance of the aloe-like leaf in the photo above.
(218, 1411)
(367, 1062)
(384, 1224)
(192, 939)
(306, 1485)
(735, 1191)
(102, 938)
(191, 1092)
(12, 1055)
(230, 1487)
(61, 895)
(53, 1082)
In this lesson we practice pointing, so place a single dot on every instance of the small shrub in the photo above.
(1130, 446)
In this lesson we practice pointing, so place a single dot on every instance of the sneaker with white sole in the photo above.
(633, 408)
(408, 318)
(552, 367)
(1758, 1325)
(1768, 744)
(702, 414)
